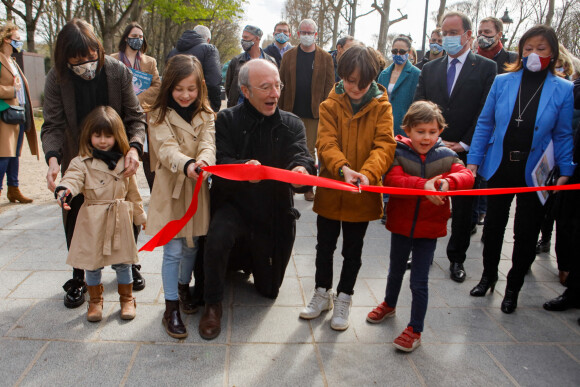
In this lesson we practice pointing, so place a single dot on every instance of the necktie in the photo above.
(451, 76)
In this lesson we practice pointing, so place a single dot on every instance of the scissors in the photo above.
(357, 183)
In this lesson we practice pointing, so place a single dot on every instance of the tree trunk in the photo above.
(441, 11)
(384, 27)
(353, 17)
(550, 14)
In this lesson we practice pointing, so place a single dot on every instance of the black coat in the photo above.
(504, 57)
(462, 108)
(191, 43)
(274, 52)
(267, 207)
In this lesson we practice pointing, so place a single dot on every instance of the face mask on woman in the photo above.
(400, 59)
(535, 63)
(247, 44)
(86, 70)
(282, 38)
(17, 45)
(135, 43)
(452, 44)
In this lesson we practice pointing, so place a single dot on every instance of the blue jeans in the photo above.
(178, 262)
(423, 250)
(124, 275)
(9, 165)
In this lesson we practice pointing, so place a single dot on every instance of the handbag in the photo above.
(12, 114)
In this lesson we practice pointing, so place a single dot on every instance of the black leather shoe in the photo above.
(75, 293)
(185, 299)
(562, 303)
(483, 286)
(138, 280)
(543, 246)
(172, 320)
(510, 301)
(457, 272)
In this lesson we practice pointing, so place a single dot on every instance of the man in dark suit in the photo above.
(458, 82)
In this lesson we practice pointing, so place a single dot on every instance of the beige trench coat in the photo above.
(172, 144)
(104, 230)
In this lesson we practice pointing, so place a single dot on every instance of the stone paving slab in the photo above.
(466, 341)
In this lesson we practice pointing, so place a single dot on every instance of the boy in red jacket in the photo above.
(422, 162)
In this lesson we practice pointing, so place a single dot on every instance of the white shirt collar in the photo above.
(461, 58)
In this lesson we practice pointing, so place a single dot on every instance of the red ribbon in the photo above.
(170, 230)
(247, 172)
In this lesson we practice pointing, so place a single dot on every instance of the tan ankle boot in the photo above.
(14, 195)
(95, 312)
(128, 304)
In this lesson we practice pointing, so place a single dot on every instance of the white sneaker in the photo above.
(321, 301)
(341, 312)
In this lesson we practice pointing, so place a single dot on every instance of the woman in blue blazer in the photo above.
(400, 79)
(525, 110)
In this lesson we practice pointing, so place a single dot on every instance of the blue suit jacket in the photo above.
(403, 92)
(553, 122)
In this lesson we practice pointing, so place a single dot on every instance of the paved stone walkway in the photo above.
(467, 341)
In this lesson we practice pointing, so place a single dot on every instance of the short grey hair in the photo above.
(244, 74)
(308, 22)
(203, 31)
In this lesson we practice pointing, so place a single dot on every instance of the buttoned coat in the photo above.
(175, 142)
(364, 141)
(322, 79)
(148, 65)
(103, 233)
(9, 133)
(60, 133)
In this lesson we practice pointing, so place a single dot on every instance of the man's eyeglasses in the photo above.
(400, 51)
(268, 88)
(306, 33)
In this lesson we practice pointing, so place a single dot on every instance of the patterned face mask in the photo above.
(86, 70)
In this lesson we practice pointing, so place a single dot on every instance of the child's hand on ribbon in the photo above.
(436, 184)
(192, 169)
(63, 194)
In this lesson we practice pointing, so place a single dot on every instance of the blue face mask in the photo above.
(452, 44)
(281, 38)
(400, 59)
(436, 48)
(17, 44)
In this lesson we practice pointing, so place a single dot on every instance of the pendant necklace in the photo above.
(520, 111)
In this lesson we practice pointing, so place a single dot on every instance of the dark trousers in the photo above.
(479, 202)
(423, 250)
(150, 176)
(353, 234)
(460, 225)
(528, 219)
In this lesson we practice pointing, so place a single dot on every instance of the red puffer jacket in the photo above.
(415, 216)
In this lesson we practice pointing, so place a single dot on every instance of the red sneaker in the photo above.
(380, 313)
(408, 340)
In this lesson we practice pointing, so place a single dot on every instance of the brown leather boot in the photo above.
(187, 305)
(210, 323)
(128, 304)
(14, 195)
(172, 320)
(95, 312)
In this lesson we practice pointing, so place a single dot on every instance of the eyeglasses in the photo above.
(268, 88)
(307, 33)
(400, 51)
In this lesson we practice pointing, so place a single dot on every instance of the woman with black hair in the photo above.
(82, 79)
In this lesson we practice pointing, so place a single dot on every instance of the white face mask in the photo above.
(307, 40)
(86, 70)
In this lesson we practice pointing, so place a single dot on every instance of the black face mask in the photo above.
(135, 43)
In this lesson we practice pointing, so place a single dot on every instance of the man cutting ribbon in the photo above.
(253, 224)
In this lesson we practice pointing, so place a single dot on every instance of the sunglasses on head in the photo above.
(400, 51)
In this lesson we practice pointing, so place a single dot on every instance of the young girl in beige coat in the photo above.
(104, 228)
(182, 138)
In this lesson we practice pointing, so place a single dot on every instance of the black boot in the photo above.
(483, 286)
(172, 320)
(185, 299)
(563, 302)
(138, 280)
(510, 301)
(75, 292)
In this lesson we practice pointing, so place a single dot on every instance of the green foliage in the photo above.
(182, 11)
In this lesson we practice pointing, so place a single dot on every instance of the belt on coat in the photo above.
(112, 235)
(179, 185)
